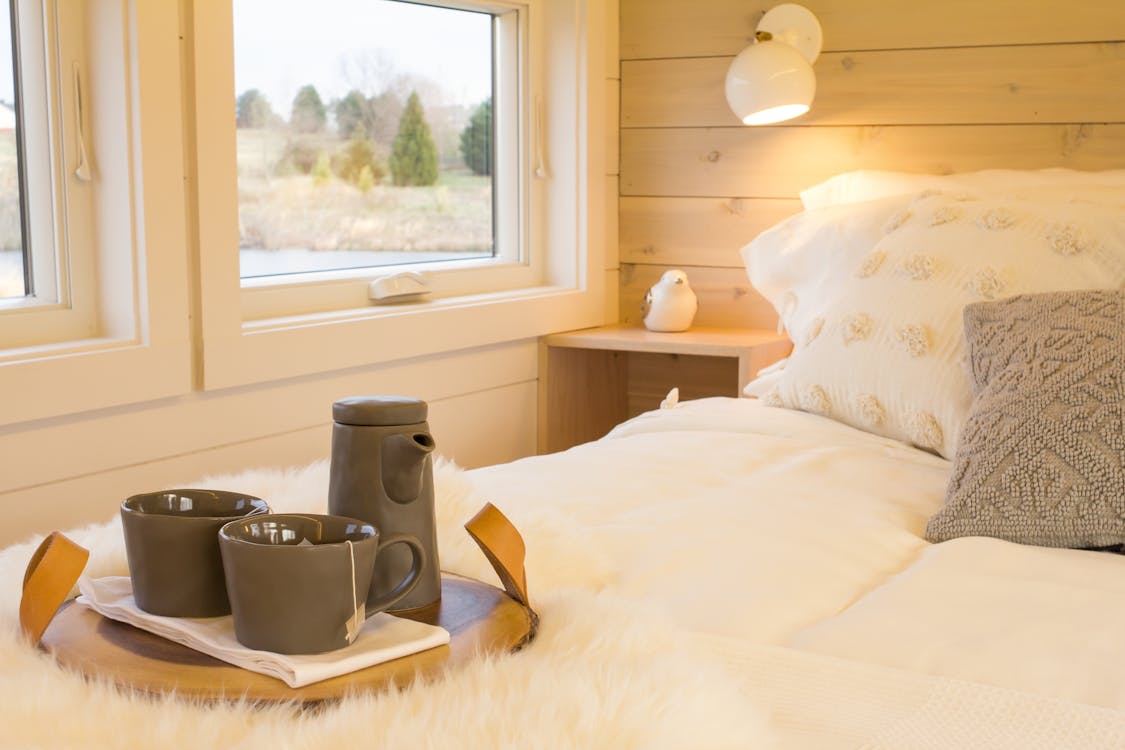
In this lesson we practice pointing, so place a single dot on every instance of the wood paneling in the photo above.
(155, 432)
(1058, 83)
(937, 87)
(725, 296)
(778, 162)
(487, 427)
(675, 28)
(696, 231)
(457, 422)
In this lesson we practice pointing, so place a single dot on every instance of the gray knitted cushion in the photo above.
(1041, 458)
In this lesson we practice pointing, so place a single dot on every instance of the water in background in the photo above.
(266, 262)
(298, 260)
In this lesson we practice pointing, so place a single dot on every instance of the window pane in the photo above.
(13, 263)
(364, 134)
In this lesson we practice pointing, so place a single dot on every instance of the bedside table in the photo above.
(593, 379)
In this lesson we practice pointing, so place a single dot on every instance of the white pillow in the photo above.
(872, 296)
(869, 184)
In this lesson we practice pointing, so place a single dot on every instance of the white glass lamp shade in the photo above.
(769, 82)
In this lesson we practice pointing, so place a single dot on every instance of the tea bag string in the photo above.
(351, 554)
(354, 622)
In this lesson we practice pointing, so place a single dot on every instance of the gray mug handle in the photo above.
(418, 561)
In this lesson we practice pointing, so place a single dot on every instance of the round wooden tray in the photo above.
(480, 619)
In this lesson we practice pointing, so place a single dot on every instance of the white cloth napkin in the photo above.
(383, 637)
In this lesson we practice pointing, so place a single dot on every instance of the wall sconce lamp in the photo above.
(772, 79)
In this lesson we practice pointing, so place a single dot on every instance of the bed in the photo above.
(759, 572)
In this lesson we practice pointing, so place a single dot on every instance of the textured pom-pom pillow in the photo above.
(1041, 459)
(872, 296)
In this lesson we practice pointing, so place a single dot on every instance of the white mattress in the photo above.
(784, 528)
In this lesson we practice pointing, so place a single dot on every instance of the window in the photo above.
(47, 234)
(533, 270)
(142, 297)
(391, 136)
(37, 304)
(97, 315)
(369, 142)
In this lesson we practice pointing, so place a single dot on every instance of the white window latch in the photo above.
(398, 287)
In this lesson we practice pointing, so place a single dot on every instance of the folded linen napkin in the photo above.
(383, 637)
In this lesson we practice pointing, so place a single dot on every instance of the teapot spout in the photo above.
(404, 459)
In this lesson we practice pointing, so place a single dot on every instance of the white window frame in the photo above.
(57, 215)
(124, 286)
(517, 262)
(562, 285)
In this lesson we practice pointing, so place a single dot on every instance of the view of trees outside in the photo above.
(364, 134)
(11, 233)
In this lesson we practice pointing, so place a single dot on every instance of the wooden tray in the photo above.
(480, 619)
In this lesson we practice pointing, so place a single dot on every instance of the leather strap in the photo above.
(51, 574)
(504, 548)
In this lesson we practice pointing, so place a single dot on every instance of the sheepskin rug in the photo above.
(599, 674)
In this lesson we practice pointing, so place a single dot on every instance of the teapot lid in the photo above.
(374, 411)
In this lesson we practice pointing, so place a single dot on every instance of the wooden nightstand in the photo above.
(591, 380)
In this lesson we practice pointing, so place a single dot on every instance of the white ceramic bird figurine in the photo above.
(670, 304)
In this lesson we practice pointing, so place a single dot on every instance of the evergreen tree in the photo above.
(414, 158)
(476, 139)
(352, 112)
(309, 114)
(252, 110)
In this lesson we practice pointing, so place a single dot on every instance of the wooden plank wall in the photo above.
(948, 86)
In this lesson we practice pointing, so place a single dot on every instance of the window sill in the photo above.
(397, 310)
(260, 351)
(69, 348)
(80, 376)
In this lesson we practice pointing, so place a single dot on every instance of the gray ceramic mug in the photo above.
(295, 581)
(172, 544)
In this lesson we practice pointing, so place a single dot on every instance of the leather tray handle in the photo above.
(503, 546)
(51, 574)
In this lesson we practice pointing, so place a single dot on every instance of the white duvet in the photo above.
(780, 527)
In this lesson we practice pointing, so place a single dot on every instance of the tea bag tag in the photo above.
(355, 622)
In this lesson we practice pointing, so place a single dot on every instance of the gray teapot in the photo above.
(382, 472)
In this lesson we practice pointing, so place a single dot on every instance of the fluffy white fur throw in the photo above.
(600, 674)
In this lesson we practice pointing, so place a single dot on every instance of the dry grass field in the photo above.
(282, 209)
